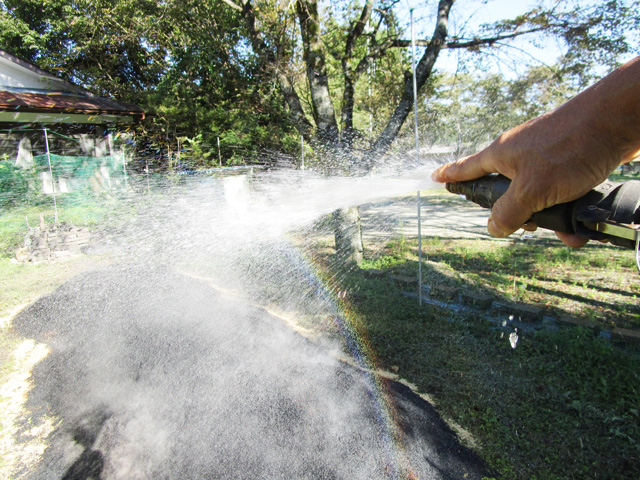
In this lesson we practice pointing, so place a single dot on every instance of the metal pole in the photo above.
(146, 169)
(415, 118)
(124, 169)
(219, 156)
(53, 184)
(302, 152)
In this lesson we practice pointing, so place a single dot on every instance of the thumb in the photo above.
(509, 213)
(466, 168)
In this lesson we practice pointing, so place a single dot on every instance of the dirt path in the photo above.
(159, 384)
(444, 216)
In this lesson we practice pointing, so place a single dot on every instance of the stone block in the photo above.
(373, 273)
(577, 322)
(444, 292)
(521, 311)
(476, 299)
(403, 279)
(626, 335)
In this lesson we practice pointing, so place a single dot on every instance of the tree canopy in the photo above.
(258, 74)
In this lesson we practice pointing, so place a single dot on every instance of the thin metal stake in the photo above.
(124, 169)
(415, 128)
(53, 184)
(146, 169)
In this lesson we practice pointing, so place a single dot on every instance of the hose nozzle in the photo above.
(484, 191)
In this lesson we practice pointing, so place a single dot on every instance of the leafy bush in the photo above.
(14, 184)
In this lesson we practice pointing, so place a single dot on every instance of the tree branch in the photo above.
(314, 57)
(261, 48)
(358, 28)
(348, 96)
(423, 72)
(233, 5)
(475, 42)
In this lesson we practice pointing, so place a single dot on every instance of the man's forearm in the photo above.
(616, 102)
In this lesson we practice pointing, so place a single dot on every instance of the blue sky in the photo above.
(466, 16)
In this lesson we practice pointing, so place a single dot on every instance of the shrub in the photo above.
(14, 184)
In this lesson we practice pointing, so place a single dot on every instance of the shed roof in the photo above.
(57, 102)
(54, 100)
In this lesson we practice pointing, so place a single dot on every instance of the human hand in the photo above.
(559, 156)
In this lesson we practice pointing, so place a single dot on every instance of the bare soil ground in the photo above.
(139, 372)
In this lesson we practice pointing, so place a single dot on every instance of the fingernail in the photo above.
(494, 231)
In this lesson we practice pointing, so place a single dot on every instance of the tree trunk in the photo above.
(347, 228)
(350, 76)
(347, 231)
(273, 63)
(315, 61)
(348, 235)
(423, 72)
(346, 222)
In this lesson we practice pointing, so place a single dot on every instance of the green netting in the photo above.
(77, 166)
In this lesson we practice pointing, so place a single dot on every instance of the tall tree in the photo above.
(469, 110)
(184, 60)
(108, 46)
(593, 34)
(212, 68)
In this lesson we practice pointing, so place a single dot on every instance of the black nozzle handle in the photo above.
(617, 203)
(485, 191)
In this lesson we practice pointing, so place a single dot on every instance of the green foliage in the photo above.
(471, 110)
(14, 184)
(109, 46)
(593, 34)
(205, 74)
(211, 88)
(377, 89)
(189, 63)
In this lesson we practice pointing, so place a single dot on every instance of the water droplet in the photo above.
(513, 339)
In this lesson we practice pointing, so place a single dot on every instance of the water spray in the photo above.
(610, 212)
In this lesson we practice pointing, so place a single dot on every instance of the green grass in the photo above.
(564, 403)
(598, 281)
(23, 283)
(619, 177)
(77, 209)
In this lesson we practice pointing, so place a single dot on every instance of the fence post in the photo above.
(415, 115)
(53, 183)
(124, 169)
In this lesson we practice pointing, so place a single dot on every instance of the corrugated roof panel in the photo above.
(9, 101)
(64, 103)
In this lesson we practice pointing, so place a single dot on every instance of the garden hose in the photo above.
(610, 212)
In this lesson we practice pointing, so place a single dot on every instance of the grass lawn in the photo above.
(564, 403)
(598, 282)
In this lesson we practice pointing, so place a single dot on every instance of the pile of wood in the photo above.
(48, 242)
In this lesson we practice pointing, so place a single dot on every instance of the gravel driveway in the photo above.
(444, 215)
